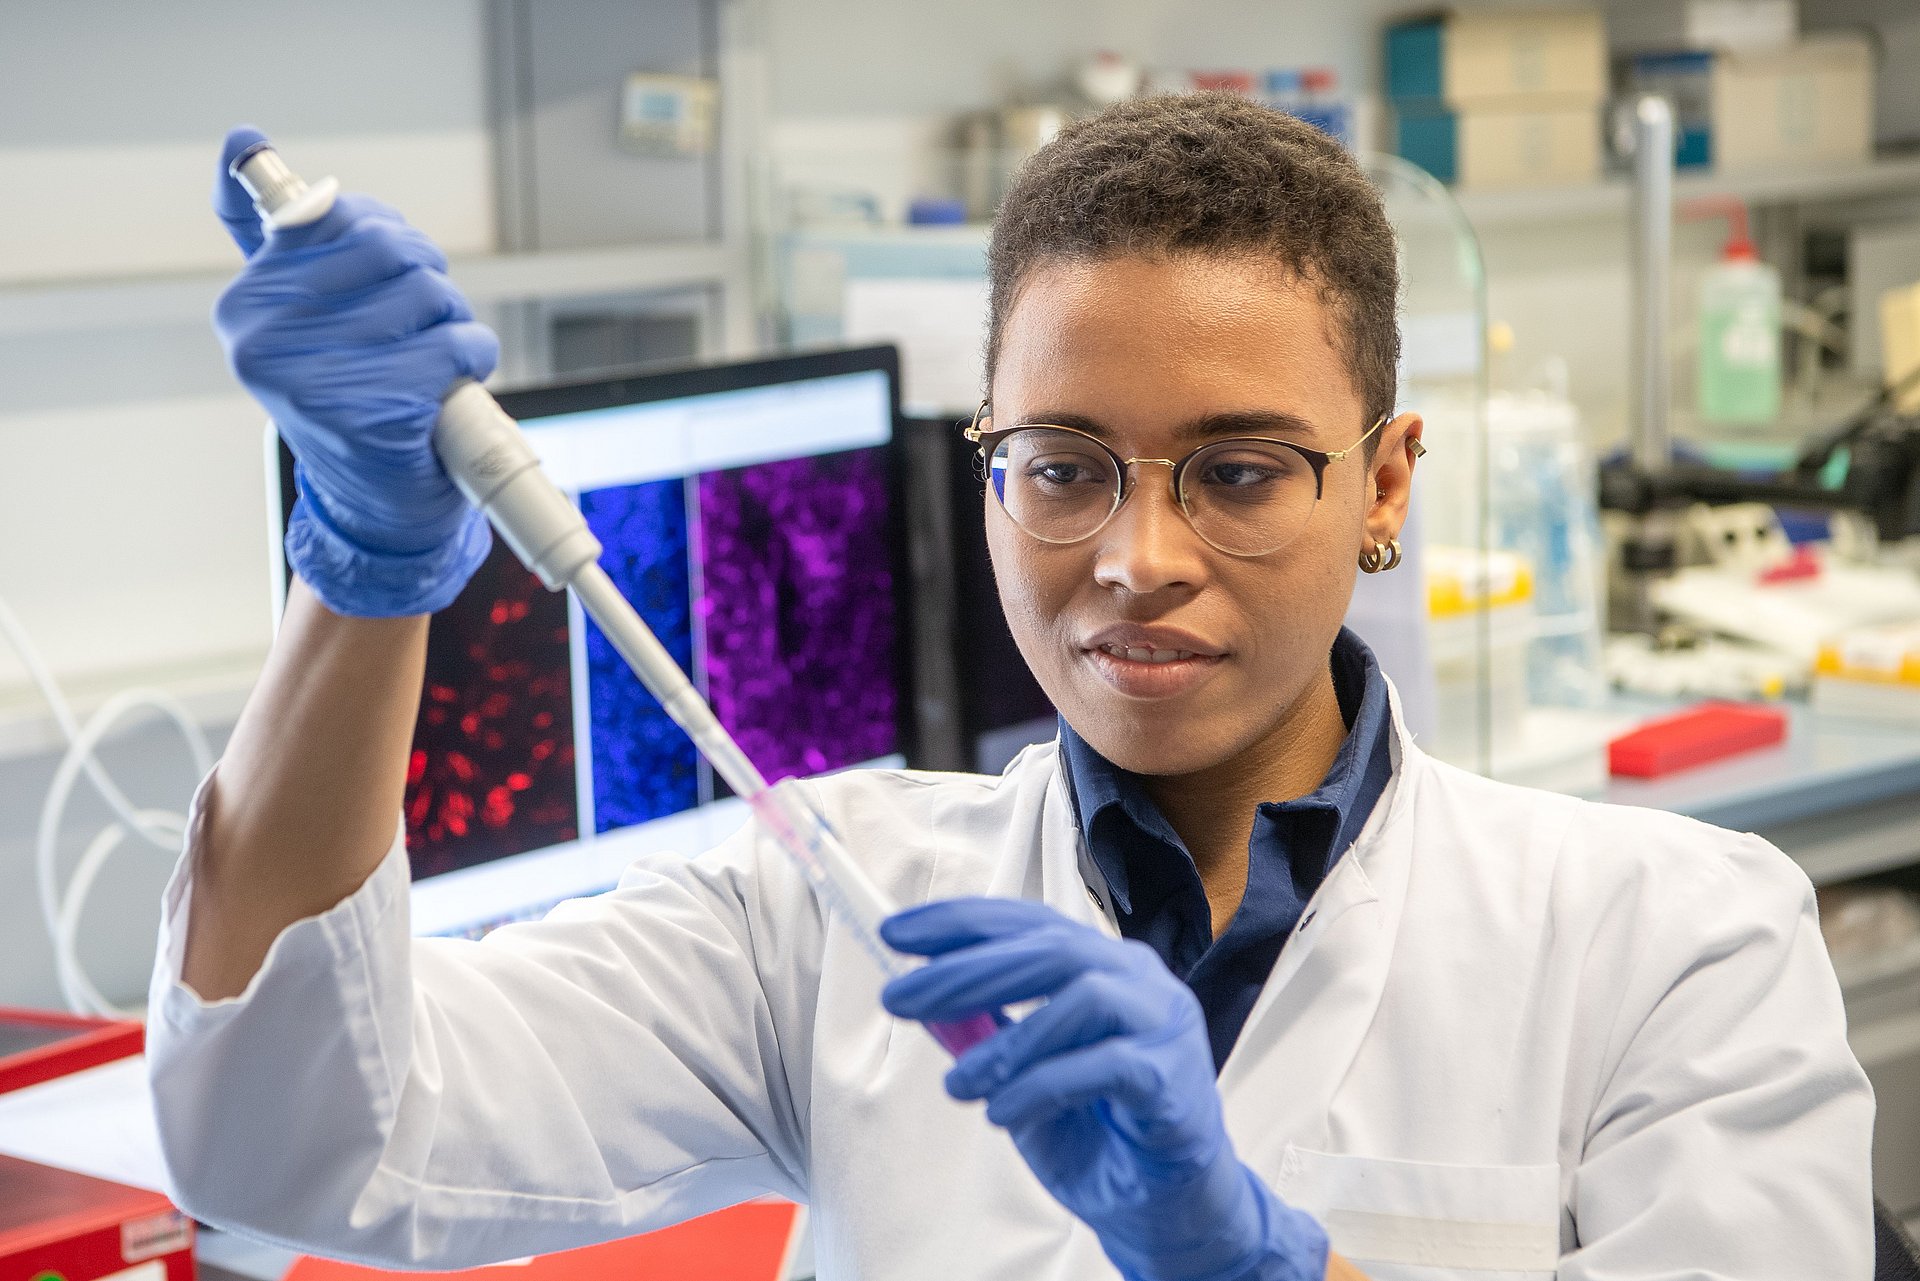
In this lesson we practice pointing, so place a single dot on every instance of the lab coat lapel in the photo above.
(1303, 1033)
(1076, 886)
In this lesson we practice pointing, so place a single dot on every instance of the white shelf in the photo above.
(212, 691)
(1486, 209)
(504, 277)
(188, 298)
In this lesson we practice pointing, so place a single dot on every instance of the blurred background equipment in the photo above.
(1870, 671)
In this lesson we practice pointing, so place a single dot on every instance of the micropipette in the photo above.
(491, 462)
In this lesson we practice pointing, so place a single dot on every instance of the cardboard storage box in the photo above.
(1809, 103)
(1506, 98)
(1475, 59)
(1900, 345)
(1703, 24)
(1494, 147)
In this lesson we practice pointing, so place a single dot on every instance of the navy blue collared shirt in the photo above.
(1157, 894)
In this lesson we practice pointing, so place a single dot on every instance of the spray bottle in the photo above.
(1739, 374)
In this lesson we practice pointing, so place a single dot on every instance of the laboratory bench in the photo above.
(1840, 795)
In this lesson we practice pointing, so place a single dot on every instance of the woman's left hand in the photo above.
(1107, 1089)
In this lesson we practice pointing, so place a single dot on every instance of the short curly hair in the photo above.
(1209, 174)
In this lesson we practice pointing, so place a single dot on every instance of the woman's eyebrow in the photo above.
(1246, 422)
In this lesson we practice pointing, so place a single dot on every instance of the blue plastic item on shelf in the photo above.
(1429, 136)
(936, 211)
(1414, 59)
(1685, 80)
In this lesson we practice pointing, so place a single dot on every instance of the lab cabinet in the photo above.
(1883, 1026)
(564, 177)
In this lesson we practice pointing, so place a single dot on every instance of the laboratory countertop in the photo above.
(1841, 796)
(1827, 764)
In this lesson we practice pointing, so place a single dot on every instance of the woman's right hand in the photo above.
(349, 333)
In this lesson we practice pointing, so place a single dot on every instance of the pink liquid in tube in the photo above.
(956, 1037)
(962, 1035)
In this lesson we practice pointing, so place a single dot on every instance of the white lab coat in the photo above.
(1513, 1033)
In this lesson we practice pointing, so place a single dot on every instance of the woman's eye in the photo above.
(1242, 475)
(1061, 472)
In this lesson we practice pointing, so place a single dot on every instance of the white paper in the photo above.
(97, 1122)
(940, 326)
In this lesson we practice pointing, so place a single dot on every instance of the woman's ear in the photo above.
(1390, 477)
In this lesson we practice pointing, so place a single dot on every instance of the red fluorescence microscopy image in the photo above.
(492, 770)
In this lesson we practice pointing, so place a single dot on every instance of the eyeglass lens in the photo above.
(1244, 497)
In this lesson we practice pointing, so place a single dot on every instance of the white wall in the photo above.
(132, 514)
(131, 506)
(111, 116)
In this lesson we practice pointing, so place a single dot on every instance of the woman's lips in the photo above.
(1153, 677)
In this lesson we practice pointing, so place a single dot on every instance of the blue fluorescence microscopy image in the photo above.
(644, 766)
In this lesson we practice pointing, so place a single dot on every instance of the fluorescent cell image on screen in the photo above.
(797, 610)
(492, 770)
(644, 766)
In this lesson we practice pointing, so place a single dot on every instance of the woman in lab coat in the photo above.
(1295, 980)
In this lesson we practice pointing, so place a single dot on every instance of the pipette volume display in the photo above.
(489, 458)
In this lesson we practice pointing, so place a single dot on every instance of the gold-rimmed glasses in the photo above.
(1246, 495)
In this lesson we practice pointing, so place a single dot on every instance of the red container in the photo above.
(76, 1228)
(1710, 732)
(749, 1242)
(38, 1045)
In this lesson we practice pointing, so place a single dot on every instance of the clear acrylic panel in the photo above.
(1508, 548)
(1444, 378)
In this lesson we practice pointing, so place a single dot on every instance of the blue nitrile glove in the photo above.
(349, 333)
(1107, 1090)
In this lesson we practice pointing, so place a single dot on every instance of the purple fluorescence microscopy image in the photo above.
(798, 610)
(644, 766)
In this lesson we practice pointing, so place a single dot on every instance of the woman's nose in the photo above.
(1149, 545)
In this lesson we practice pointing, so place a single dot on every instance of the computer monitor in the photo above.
(752, 514)
(1002, 707)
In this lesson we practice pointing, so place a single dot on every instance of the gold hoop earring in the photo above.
(1381, 557)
